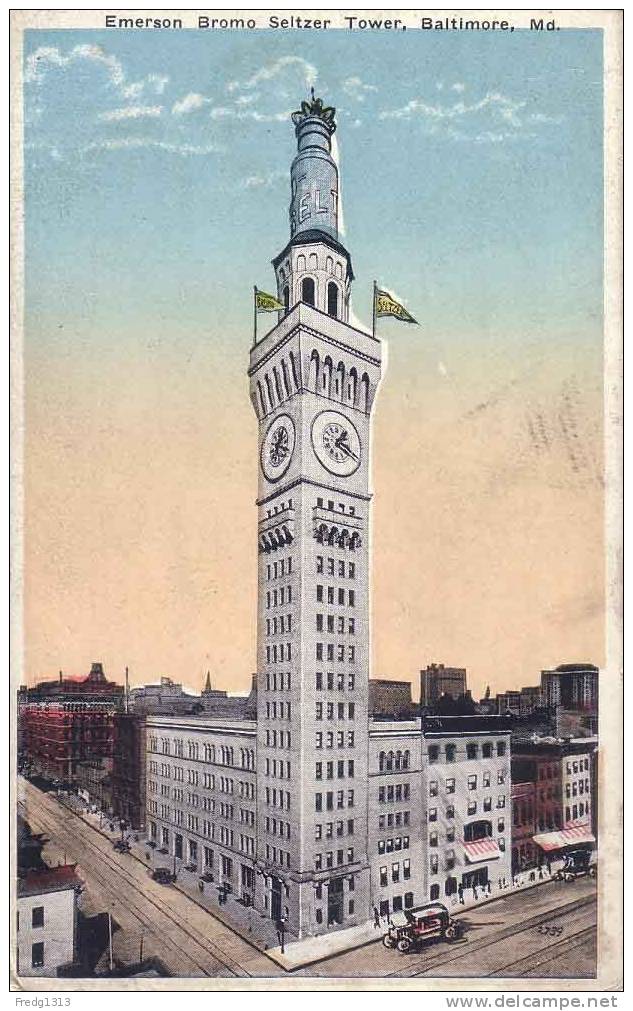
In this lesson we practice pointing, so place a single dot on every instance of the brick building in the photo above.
(560, 773)
(59, 737)
(524, 849)
(128, 778)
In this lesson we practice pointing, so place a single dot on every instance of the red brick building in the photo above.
(523, 796)
(58, 737)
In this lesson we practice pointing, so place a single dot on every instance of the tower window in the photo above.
(286, 298)
(307, 290)
(332, 299)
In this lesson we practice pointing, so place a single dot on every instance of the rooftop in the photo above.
(53, 879)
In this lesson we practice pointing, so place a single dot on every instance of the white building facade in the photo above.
(46, 915)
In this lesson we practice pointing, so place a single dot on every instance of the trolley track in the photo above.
(465, 949)
(60, 834)
(550, 954)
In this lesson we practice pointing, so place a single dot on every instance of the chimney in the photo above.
(127, 690)
(61, 677)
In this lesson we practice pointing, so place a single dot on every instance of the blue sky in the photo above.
(474, 162)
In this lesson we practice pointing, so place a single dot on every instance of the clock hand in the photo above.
(346, 449)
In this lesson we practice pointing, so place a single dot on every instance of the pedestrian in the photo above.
(489, 887)
(376, 918)
(532, 875)
(540, 873)
(460, 892)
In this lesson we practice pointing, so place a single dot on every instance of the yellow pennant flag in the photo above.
(267, 303)
(386, 305)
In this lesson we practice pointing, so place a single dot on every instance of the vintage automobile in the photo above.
(163, 875)
(578, 863)
(413, 927)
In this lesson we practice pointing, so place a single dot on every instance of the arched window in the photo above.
(326, 375)
(314, 370)
(352, 386)
(286, 298)
(260, 397)
(332, 299)
(293, 366)
(286, 378)
(307, 290)
(381, 761)
(364, 392)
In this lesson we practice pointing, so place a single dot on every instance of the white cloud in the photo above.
(541, 117)
(189, 103)
(505, 107)
(272, 70)
(42, 59)
(132, 112)
(130, 143)
(491, 119)
(155, 83)
(257, 181)
(356, 88)
(227, 112)
(45, 57)
(458, 87)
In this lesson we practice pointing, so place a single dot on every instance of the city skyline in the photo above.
(140, 524)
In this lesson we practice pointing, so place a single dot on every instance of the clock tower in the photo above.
(313, 381)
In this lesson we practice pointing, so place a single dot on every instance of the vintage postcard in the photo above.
(316, 679)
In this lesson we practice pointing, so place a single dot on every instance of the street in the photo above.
(548, 931)
(187, 940)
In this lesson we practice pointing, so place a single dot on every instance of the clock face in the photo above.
(336, 443)
(277, 447)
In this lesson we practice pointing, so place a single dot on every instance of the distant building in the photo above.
(47, 920)
(531, 698)
(438, 680)
(129, 769)
(571, 685)
(389, 698)
(164, 698)
(93, 689)
(509, 703)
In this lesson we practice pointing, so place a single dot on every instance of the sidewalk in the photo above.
(252, 926)
(257, 928)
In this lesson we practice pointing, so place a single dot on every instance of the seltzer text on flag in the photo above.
(387, 305)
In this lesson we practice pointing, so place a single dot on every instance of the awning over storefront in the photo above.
(483, 849)
(573, 835)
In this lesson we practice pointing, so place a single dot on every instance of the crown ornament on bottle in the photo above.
(315, 107)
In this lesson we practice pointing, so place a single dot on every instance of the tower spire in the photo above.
(207, 683)
(314, 175)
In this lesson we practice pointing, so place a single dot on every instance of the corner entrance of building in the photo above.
(275, 899)
(335, 901)
(475, 879)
